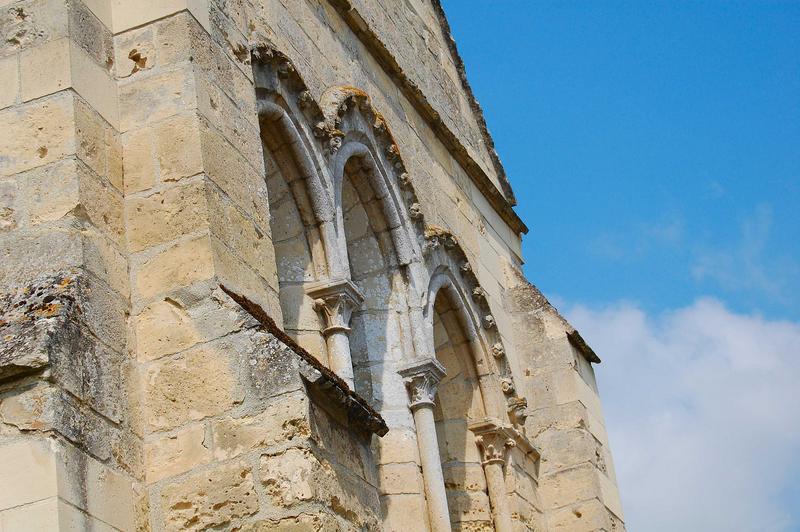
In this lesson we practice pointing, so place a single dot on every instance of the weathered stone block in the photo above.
(579, 483)
(153, 96)
(138, 160)
(582, 516)
(178, 147)
(306, 522)
(37, 133)
(134, 51)
(181, 451)
(31, 23)
(469, 507)
(406, 513)
(9, 81)
(218, 496)
(163, 328)
(187, 317)
(284, 420)
(242, 183)
(29, 409)
(296, 476)
(241, 235)
(399, 478)
(166, 215)
(179, 265)
(191, 386)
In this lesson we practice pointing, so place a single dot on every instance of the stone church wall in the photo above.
(347, 197)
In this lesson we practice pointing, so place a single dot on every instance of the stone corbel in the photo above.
(336, 300)
(494, 440)
(518, 411)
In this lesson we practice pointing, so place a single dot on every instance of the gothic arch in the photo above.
(358, 131)
(453, 272)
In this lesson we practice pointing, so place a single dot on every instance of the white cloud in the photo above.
(703, 411)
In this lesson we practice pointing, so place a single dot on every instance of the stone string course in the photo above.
(178, 181)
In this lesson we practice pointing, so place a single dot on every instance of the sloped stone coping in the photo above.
(580, 344)
(358, 411)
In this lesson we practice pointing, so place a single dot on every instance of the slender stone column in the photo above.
(422, 377)
(495, 441)
(337, 300)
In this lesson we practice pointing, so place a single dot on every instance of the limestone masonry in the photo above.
(260, 270)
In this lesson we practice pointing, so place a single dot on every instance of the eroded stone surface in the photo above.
(217, 497)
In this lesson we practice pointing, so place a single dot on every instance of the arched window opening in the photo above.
(375, 333)
(459, 403)
(299, 254)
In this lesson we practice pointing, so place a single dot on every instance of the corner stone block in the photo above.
(166, 215)
(179, 265)
(153, 96)
(581, 517)
(178, 147)
(138, 160)
(580, 483)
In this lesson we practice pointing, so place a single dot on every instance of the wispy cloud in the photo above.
(642, 239)
(748, 265)
(701, 405)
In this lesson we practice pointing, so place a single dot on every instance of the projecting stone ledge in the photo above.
(319, 378)
(33, 323)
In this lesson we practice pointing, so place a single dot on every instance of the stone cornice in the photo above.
(503, 202)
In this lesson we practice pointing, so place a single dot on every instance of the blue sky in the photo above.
(654, 148)
(652, 145)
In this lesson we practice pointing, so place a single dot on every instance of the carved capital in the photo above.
(422, 377)
(336, 300)
(494, 440)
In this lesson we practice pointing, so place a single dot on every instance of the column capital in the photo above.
(336, 299)
(494, 440)
(422, 377)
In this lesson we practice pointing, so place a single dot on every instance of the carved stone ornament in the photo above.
(336, 300)
(479, 294)
(507, 385)
(498, 350)
(422, 377)
(518, 411)
(304, 99)
(494, 440)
